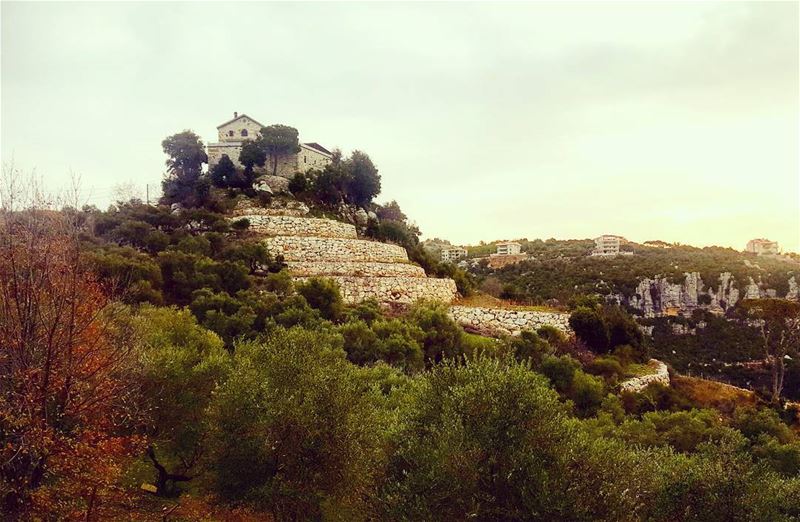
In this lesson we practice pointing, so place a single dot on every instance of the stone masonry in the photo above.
(404, 290)
(660, 375)
(354, 268)
(363, 269)
(501, 321)
(309, 248)
(299, 226)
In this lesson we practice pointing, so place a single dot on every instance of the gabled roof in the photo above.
(318, 147)
(239, 117)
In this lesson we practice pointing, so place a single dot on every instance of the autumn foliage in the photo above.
(64, 396)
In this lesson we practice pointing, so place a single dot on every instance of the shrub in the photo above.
(442, 336)
(241, 224)
(298, 184)
(587, 392)
(295, 430)
(323, 295)
(560, 371)
(590, 328)
(528, 345)
(607, 367)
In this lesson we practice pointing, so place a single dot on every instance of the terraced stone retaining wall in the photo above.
(297, 248)
(351, 268)
(660, 375)
(299, 226)
(404, 290)
(500, 321)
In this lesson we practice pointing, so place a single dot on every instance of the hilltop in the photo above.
(264, 345)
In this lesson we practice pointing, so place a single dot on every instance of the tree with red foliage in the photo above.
(64, 392)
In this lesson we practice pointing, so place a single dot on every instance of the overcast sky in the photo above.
(671, 121)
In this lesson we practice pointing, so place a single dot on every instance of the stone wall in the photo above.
(404, 290)
(316, 247)
(660, 375)
(278, 207)
(343, 268)
(298, 226)
(297, 248)
(500, 321)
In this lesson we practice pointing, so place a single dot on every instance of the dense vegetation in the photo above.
(160, 345)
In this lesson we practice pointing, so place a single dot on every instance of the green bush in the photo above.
(587, 393)
(323, 295)
(607, 367)
(442, 336)
(560, 371)
(529, 345)
(295, 430)
(590, 328)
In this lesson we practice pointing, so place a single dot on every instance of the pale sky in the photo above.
(671, 121)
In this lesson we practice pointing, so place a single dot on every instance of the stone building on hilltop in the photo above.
(233, 133)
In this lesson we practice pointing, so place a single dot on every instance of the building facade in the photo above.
(607, 245)
(762, 247)
(233, 133)
(453, 254)
(508, 249)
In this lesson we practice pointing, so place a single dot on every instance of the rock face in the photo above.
(271, 184)
(363, 269)
(499, 321)
(657, 296)
(660, 375)
(794, 290)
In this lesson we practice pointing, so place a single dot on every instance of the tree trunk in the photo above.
(163, 477)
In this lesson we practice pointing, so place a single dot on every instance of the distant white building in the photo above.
(508, 249)
(453, 254)
(608, 245)
(762, 246)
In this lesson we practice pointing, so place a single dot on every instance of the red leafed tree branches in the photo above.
(64, 389)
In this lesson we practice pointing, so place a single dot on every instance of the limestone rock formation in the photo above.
(657, 296)
(794, 290)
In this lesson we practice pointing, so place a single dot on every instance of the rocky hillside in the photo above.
(654, 280)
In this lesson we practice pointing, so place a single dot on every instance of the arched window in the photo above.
(230, 133)
(244, 132)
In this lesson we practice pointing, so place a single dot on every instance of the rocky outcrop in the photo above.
(500, 321)
(271, 184)
(659, 375)
(794, 290)
(658, 296)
